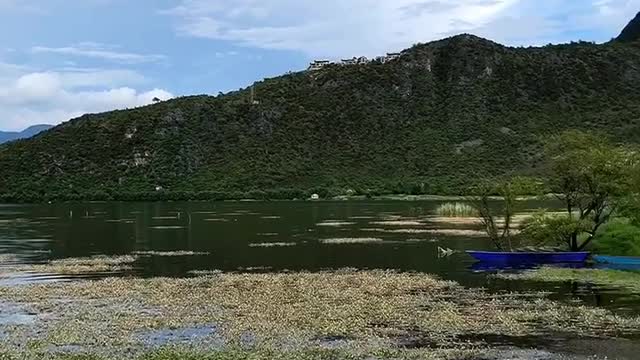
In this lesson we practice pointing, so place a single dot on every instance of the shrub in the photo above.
(618, 238)
(544, 229)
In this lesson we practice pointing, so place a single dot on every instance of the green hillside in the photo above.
(436, 120)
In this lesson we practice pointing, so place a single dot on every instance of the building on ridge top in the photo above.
(318, 64)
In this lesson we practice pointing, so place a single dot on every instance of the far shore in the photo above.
(389, 197)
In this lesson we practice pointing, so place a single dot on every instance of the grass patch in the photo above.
(618, 238)
(456, 209)
(607, 278)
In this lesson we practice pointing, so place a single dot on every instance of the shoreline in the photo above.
(340, 198)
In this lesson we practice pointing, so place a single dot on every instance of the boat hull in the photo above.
(618, 260)
(529, 257)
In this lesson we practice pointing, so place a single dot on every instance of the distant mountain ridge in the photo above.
(26, 133)
(436, 120)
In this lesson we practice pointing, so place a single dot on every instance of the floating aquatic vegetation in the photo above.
(422, 240)
(255, 268)
(336, 223)
(270, 217)
(126, 221)
(205, 272)
(398, 223)
(165, 218)
(95, 264)
(446, 232)
(455, 220)
(602, 277)
(470, 220)
(274, 244)
(171, 253)
(175, 227)
(352, 241)
(216, 220)
(268, 234)
(377, 311)
(6, 259)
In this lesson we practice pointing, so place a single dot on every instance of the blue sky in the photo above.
(62, 58)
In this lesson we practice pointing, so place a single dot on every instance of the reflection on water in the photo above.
(261, 236)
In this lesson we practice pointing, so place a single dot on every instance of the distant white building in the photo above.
(392, 56)
(318, 64)
(351, 61)
(362, 60)
(315, 197)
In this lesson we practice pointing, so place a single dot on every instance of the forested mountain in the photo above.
(632, 31)
(26, 133)
(435, 120)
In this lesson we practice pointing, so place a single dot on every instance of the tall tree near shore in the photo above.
(591, 175)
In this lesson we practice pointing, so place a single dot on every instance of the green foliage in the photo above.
(591, 175)
(432, 122)
(456, 210)
(618, 238)
(630, 208)
(543, 229)
(499, 230)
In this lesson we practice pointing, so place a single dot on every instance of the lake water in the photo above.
(265, 236)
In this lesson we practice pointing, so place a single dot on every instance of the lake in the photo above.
(266, 237)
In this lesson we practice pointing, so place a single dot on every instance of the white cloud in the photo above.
(331, 27)
(30, 97)
(343, 28)
(101, 51)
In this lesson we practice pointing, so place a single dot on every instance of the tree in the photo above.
(590, 175)
(497, 228)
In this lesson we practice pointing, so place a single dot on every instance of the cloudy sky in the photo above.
(62, 58)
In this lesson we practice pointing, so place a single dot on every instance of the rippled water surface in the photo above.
(180, 237)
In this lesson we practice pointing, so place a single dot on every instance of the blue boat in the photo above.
(529, 257)
(617, 260)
